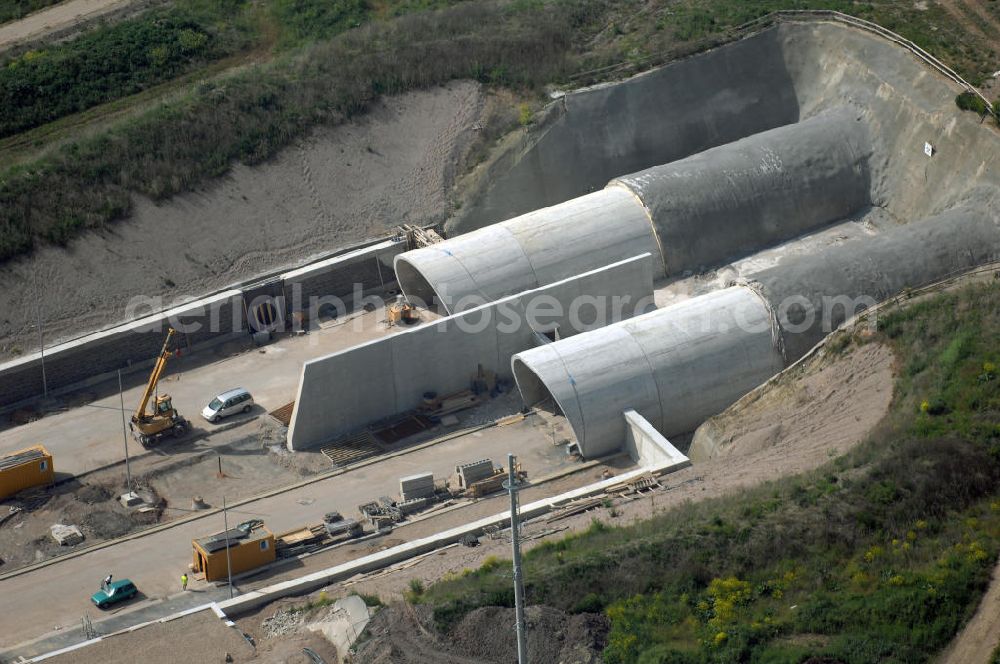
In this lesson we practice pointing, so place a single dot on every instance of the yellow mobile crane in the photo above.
(149, 427)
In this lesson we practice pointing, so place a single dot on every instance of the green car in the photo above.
(118, 591)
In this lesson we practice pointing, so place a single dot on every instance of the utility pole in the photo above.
(515, 539)
(128, 470)
(229, 564)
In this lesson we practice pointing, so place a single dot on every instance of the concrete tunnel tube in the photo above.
(705, 353)
(674, 366)
(691, 213)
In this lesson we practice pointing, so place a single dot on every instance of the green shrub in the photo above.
(371, 600)
(525, 116)
(969, 101)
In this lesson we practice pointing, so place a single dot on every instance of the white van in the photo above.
(228, 403)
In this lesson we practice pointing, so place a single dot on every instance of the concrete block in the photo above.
(416, 486)
(66, 535)
(469, 473)
(130, 499)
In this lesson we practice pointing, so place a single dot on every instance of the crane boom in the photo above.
(154, 377)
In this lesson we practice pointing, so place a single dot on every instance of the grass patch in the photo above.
(880, 556)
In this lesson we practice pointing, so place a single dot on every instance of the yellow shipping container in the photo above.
(247, 551)
(25, 469)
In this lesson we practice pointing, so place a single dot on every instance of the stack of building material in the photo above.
(416, 486)
(470, 473)
(487, 485)
(375, 513)
(343, 527)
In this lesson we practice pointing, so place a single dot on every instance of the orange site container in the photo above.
(247, 551)
(25, 469)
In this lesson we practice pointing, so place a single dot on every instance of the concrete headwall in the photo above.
(348, 390)
(214, 319)
(779, 76)
(592, 135)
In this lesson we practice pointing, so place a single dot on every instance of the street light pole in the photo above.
(128, 470)
(515, 539)
(229, 564)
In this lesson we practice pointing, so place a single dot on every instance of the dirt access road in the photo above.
(60, 18)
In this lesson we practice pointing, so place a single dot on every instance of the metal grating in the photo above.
(353, 449)
(283, 414)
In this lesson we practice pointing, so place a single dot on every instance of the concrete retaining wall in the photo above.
(348, 390)
(127, 347)
(592, 135)
(345, 276)
(203, 323)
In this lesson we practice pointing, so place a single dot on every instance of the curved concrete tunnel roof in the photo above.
(675, 367)
(813, 294)
(530, 251)
(698, 211)
(735, 199)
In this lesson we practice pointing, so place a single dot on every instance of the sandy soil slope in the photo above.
(341, 185)
(828, 401)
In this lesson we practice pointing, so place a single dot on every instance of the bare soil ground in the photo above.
(395, 165)
(65, 18)
(199, 637)
(91, 506)
(483, 636)
(251, 465)
(837, 398)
